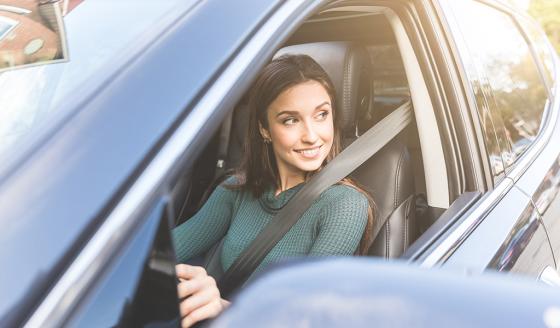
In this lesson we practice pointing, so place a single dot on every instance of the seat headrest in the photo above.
(349, 68)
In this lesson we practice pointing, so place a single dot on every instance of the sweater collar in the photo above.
(273, 203)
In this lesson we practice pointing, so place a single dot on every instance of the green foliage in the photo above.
(547, 13)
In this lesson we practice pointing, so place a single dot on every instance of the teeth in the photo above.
(309, 152)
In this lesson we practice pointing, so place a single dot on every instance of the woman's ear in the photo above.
(264, 132)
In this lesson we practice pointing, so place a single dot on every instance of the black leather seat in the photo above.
(388, 175)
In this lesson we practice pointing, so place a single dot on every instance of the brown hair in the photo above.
(258, 170)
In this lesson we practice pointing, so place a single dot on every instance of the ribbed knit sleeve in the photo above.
(198, 234)
(342, 222)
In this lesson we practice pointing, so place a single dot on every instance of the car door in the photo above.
(89, 207)
(144, 300)
(539, 178)
(500, 228)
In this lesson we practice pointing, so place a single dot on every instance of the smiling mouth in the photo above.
(309, 152)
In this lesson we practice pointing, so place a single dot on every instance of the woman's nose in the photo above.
(309, 134)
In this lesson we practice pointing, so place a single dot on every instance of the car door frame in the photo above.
(168, 160)
(460, 223)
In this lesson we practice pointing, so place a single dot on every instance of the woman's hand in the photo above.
(198, 294)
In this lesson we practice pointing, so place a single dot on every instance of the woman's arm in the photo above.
(206, 227)
(342, 223)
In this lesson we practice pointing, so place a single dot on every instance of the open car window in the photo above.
(406, 172)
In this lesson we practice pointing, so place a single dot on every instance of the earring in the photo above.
(267, 140)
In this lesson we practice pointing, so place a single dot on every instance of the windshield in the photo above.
(98, 34)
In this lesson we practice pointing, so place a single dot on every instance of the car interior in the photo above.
(370, 59)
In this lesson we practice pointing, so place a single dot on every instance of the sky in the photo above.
(524, 4)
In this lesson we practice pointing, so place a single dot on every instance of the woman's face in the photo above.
(301, 128)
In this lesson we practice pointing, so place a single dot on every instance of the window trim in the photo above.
(463, 226)
(15, 9)
(12, 25)
(437, 184)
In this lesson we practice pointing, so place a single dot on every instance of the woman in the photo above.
(292, 134)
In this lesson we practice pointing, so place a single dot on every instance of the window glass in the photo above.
(542, 48)
(480, 88)
(516, 95)
(390, 85)
(487, 119)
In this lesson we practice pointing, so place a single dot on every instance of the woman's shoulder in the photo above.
(231, 181)
(338, 193)
(343, 202)
(228, 187)
(233, 186)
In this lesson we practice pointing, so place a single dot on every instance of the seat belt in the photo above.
(341, 166)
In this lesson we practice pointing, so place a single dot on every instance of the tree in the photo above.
(547, 13)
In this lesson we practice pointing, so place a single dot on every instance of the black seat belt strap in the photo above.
(341, 166)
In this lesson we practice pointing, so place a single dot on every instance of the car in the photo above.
(104, 151)
(356, 292)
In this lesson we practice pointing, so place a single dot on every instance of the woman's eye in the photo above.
(289, 121)
(323, 115)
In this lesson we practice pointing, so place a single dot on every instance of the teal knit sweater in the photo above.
(333, 225)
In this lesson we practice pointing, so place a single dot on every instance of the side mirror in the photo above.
(356, 292)
(31, 33)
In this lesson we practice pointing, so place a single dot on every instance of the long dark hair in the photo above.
(258, 170)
